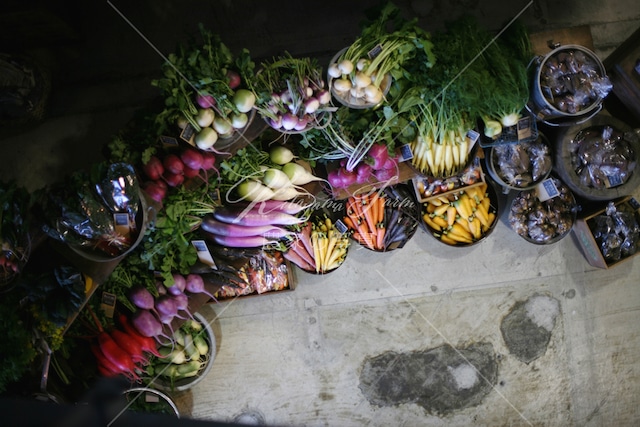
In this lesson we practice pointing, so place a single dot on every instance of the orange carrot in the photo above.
(368, 212)
(380, 236)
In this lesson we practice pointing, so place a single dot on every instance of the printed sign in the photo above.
(203, 253)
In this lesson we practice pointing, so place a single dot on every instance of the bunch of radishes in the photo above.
(378, 165)
(173, 168)
(153, 313)
(213, 122)
(122, 350)
(291, 93)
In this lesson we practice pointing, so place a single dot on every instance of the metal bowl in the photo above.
(187, 383)
(352, 101)
(543, 222)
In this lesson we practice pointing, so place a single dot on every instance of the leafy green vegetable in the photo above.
(167, 247)
(200, 67)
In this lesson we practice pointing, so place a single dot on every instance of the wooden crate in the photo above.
(623, 68)
(587, 241)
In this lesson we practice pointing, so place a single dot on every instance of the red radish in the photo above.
(173, 164)
(205, 101)
(153, 168)
(155, 191)
(112, 351)
(208, 160)
(105, 367)
(195, 285)
(130, 345)
(384, 175)
(148, 343)
(173, 179)
(378, 155)
(190, 173)
(192, 158)
(234, 79)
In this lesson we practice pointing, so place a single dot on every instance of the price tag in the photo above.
(547, 190)
(375, 51)
(405, 153)
(203, 253)
(613, 181)
(168, 141)
(151, 398)
(472, 138)
(122, 224)
(341, 226)
(188, 134)
(634, 204)
(524, 128)
(108, 304)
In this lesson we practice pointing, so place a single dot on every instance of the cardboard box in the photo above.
(582, 229)
(455, 184)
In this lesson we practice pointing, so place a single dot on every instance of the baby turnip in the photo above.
(244, 100)
(342, 85)
(206, 138)
(362, 64)
(182, 122)
(323, 96)
(222, 126)
(238, 121)
(311, 105)
(281, 155)
(254, 191)
(289, 121)
(361, 80)
(205, 117)
(303, 122)
(345, 66)
(275, 179)
(298, 175)
(334, 71)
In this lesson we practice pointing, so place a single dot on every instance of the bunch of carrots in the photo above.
(461, 218)
(365, 216)
(319, 246)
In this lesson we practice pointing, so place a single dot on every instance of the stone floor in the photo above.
(412, 337)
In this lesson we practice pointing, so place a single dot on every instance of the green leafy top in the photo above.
(200, 67)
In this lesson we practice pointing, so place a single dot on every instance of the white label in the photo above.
(203, 253)
(405, 153)
(547, 190)
(472, 137)
(122, 224)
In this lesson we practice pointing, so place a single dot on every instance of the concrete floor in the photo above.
(297, 357)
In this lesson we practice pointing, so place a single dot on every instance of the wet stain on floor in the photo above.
(441, 380)
(527, 328)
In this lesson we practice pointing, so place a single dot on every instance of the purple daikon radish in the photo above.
(195, 285)
(148, 325)
(178, 284)
(142, 298)
(166, 320)
(182, 304)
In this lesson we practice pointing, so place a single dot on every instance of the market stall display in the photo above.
(203, 225)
